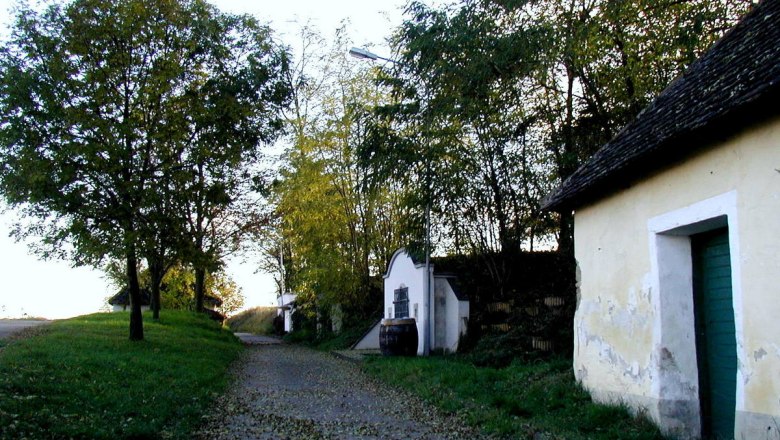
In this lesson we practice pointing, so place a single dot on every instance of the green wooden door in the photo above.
(716, 343)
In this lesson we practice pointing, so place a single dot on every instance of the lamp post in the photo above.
(364, 54)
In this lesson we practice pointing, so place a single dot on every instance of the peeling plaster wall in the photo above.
(632, 344)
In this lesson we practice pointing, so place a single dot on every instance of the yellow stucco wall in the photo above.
(620, 351)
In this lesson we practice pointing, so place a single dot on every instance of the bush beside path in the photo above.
(288, 391)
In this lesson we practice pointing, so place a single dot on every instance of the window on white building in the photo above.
(401, 302)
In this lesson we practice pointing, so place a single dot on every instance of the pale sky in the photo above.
(53, 290)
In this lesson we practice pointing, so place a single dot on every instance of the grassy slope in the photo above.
(257, 320)
(83, 378)
(517, 402)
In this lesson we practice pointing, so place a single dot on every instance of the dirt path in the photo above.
(290, 392)
(12, 327)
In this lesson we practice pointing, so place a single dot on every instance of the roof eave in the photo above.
(739, 119)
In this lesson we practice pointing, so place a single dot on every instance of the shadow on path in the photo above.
(286, 391)
(252, 339)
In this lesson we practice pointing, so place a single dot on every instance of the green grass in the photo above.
(341, 341)
(257, 320)
(329, 341)
(518, 401)
(83, 377)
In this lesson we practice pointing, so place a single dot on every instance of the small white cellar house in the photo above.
(443, 323)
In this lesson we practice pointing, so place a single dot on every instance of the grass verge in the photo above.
(329, 341)
(83, 378)
(519, 401)
(257, 320)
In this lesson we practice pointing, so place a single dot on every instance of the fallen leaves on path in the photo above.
(290, 392)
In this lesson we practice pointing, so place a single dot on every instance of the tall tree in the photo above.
(337, 232)
(221, 187)
(101, 100)
(503, 100)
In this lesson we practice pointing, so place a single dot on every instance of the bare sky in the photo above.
(54, 290)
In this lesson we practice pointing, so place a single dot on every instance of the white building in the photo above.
(286, 307)
(443, 322)
(677, 247)
(121, 301)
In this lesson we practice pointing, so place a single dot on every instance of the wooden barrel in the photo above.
(398, 337)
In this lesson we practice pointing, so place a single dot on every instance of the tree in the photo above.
(460, 127)
(335, 231)
(177, 289)
(503, 100)
(101, 100)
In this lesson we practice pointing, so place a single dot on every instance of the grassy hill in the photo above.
(258, 320)
(83, 377)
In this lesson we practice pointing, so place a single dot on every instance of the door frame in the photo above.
(675, 360)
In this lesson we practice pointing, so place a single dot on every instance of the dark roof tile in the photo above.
(122, 298)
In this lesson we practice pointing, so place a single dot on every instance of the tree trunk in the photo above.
(566, 239)
(136, 319)
(156, 271)
(200, 287)
(568, 166)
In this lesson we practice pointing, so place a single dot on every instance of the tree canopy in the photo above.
(503, 100)
(335, 233)
(131, 130)
(113, 110)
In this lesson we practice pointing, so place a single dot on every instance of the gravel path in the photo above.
(290, 392)
(11, 327)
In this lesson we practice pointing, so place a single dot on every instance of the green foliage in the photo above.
(343, 340)
(335, 232)
(326, 341)
(257, 320)
(82, 378)
(129, 126)
(177, 290)
(520, 401)
(494, 103)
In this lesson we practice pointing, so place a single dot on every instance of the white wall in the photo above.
(402, 272)
(633, 333)
(288, 322)
(456, 313)
(371, 339)
(285, 305)
(120, 308)
(285, 300)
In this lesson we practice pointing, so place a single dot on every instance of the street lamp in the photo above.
(364, 54)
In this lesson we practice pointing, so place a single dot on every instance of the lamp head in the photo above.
(363, 54)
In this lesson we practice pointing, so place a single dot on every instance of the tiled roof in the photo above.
(122, 298)
(734, 84)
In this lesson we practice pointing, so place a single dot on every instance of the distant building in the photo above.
(404, 297)
(286, 307)
(121, 301)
